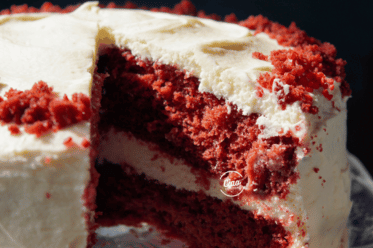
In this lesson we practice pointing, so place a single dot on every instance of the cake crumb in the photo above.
(298, 128)
(86, 143)
(47, 160)
(41, 111)
(301, 70)
(14, 130)
(68, 142)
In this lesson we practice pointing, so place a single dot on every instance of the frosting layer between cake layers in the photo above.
(41, 180)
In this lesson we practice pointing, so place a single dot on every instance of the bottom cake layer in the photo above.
(195, 218)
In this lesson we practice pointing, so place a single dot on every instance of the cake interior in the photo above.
(161, 105)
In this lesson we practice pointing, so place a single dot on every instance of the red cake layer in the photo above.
(162, 104)
(196, 219)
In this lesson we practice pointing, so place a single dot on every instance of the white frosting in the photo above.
(61, 50)
(28, 217)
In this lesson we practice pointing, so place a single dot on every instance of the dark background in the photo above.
(346, 24)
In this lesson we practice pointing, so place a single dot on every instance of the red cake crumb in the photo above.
(232, 18)
(41, 111)
(261, 56)
(48, 195)
(46, 7)
(47, 160)
(319, 148)
(68, 142)
(306, 150)
(300, 69)
(293, 36)
(14, 130)
(316, 169)
(185, 7)
(85, 143)
(202, 14)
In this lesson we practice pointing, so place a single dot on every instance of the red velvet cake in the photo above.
(219, 134)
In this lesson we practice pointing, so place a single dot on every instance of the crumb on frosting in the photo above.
(14, 129)
(300, 70)
(47, 160)
(297, 38)
(69, 142)
(85, 143)
(41, 111)
(48, 195)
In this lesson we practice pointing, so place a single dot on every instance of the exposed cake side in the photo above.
(201, 56)
(308, 211)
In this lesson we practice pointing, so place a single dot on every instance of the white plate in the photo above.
(360, 221)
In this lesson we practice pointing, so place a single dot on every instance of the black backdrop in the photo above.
(346, 24)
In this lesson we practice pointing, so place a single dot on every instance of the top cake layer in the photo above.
(223, 57)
